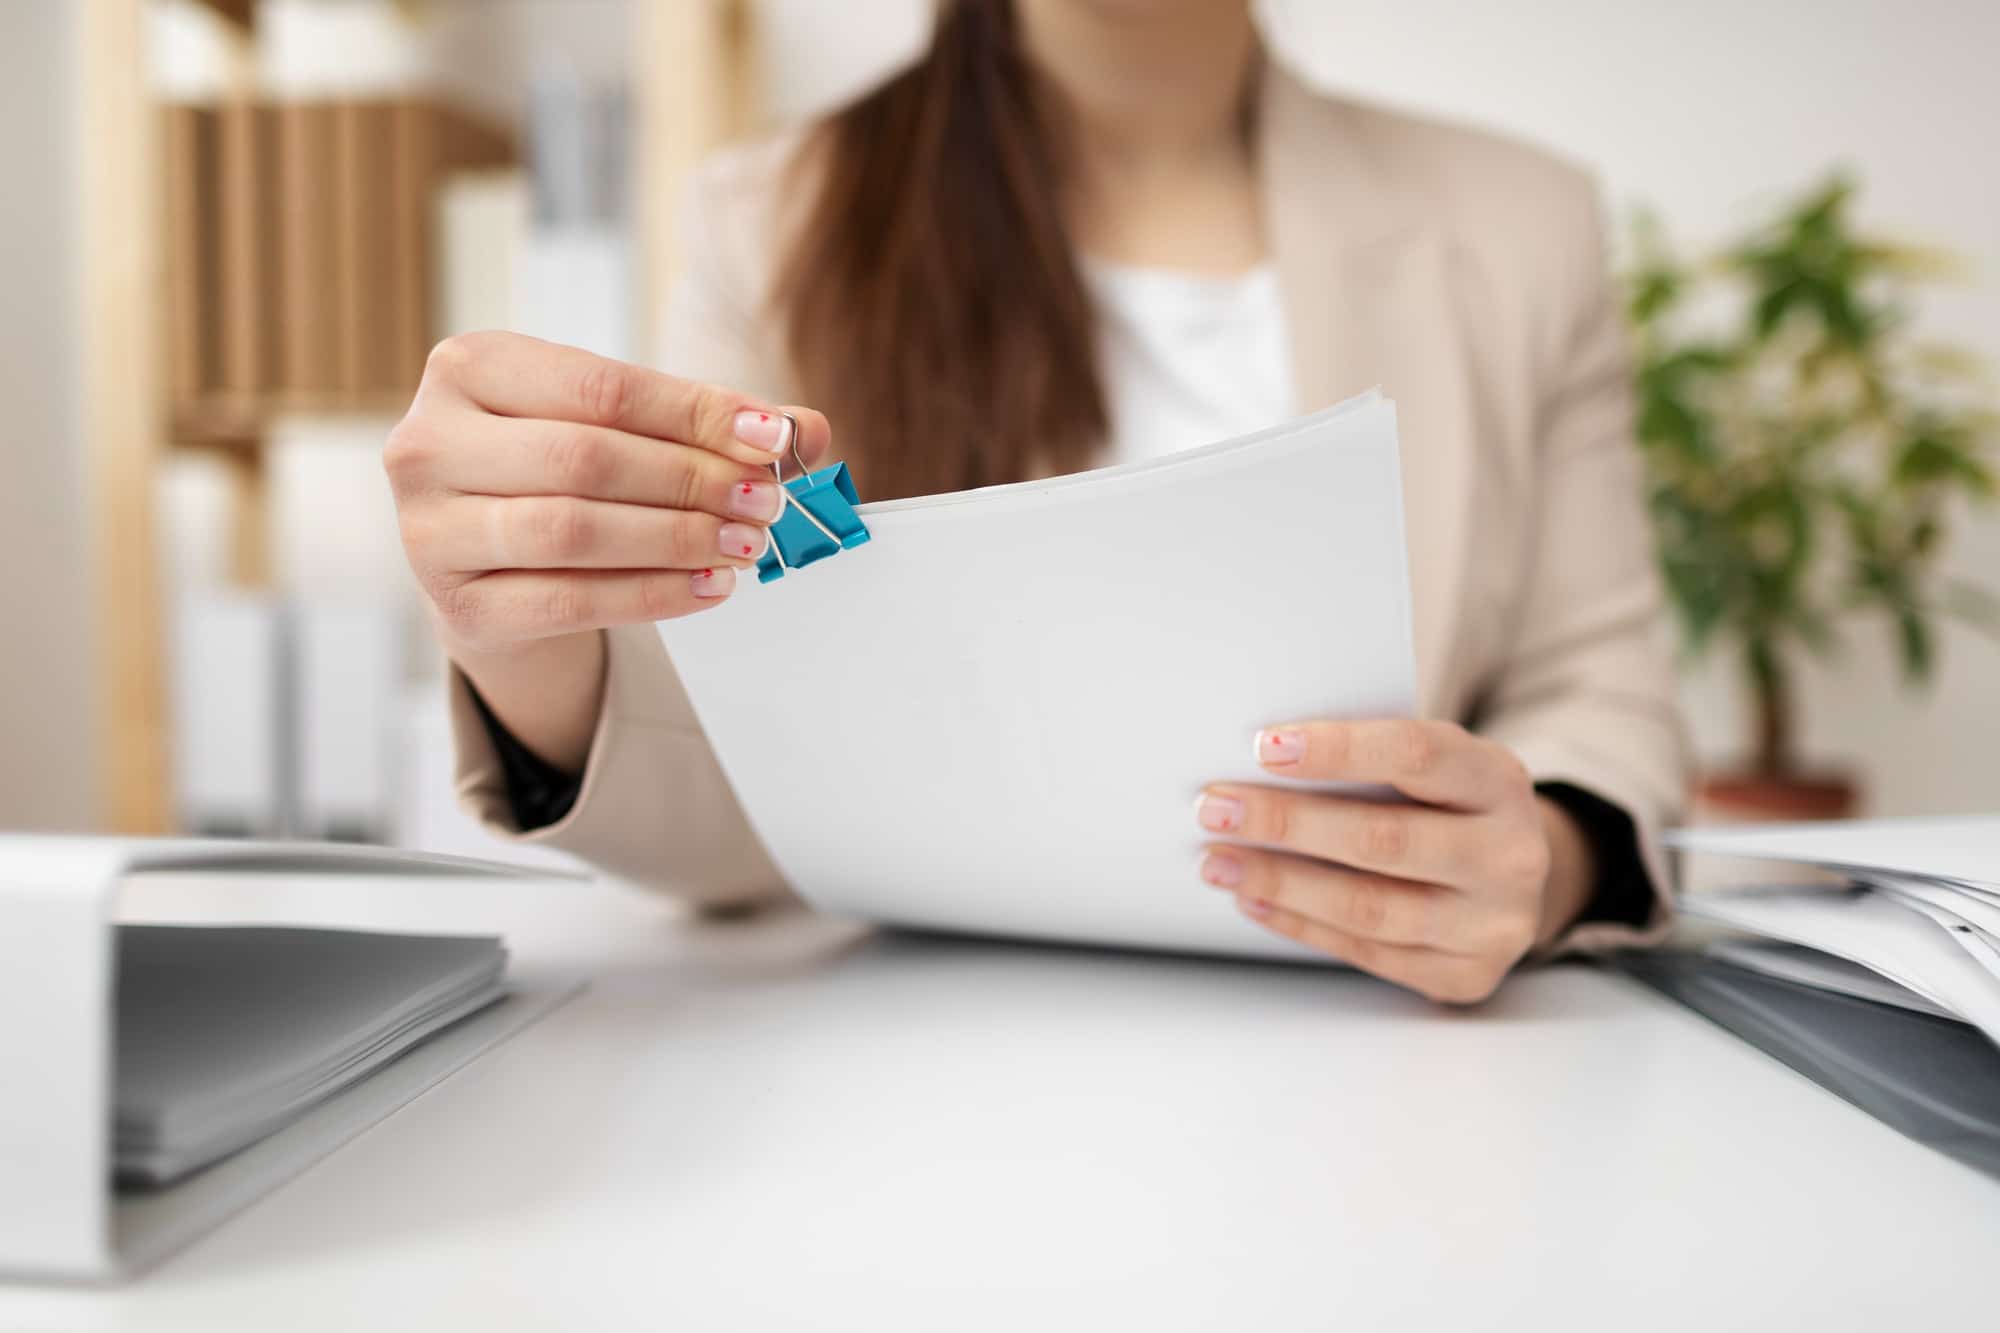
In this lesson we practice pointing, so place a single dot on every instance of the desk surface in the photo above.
(792, 1124)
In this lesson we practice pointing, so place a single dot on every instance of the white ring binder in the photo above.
(59, 1218)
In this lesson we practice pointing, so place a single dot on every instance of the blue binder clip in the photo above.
(818, 519)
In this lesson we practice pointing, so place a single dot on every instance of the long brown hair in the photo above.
(931, 302)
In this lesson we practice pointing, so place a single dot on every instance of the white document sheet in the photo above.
(995, 716)
(1823, 971)
(1962, 848)
(1957, 929)
(1974, 909)
(1866, 928)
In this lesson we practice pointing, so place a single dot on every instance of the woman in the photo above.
(1079, 231)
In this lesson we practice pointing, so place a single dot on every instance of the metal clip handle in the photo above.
(791, 442)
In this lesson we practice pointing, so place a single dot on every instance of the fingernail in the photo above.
(712, 583)
(1219, 813)
(761, 430)
(1281, 745)
(1222, 870)
(741, 540)
(1255, 908)
(755, 499)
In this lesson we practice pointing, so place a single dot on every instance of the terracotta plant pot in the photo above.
(1762, 798)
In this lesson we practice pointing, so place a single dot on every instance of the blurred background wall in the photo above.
(1708, 112)
(46, 741)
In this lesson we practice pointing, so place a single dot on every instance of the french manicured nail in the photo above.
(741, 540)
(1222, 870)
(756, 499)
(1219, 813)
(761, 430)
(1255, 908)
(1281, 745)
(710, 584)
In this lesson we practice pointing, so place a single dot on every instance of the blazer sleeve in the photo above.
(1586, 695)
(654, 807)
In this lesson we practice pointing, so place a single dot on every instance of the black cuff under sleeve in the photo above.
(538, 793)
(1623, 895)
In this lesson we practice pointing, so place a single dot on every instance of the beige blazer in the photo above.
(1463, 273)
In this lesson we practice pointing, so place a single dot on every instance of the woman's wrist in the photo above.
(1572, 872)
(546, 692)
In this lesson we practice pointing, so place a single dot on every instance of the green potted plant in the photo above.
(1806, 456)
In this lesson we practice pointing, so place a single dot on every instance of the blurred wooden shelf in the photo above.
(243, 421)
(254, 259)
(239, 12)
(300, 242)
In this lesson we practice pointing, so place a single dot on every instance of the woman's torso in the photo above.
(1454, 269)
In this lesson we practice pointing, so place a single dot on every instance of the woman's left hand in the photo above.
(1443, 896)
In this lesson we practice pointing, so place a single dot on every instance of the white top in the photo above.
(1189, 359)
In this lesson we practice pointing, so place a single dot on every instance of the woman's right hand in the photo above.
(545, 494)
(543, 491)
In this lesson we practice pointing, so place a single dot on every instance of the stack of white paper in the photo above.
(995, 715)
(1922, 908)
(227, 1034)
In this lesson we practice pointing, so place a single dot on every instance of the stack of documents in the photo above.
(995, 716)
(226, 1035)
(1916, 925)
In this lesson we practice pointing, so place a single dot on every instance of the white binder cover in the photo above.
(994, 716)
(58, 1216)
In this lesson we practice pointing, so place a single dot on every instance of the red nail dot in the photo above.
(746, 488)
(708, 573)
(763, 416)
(746, 550)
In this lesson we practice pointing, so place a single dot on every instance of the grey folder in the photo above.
(1934, 1079)
(227, 1034)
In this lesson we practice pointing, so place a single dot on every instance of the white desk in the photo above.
(791, 1124)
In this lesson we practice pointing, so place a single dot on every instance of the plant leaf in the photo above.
(1913, 635)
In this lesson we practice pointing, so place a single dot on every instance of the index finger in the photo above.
(513, 375)
(1438, 763)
